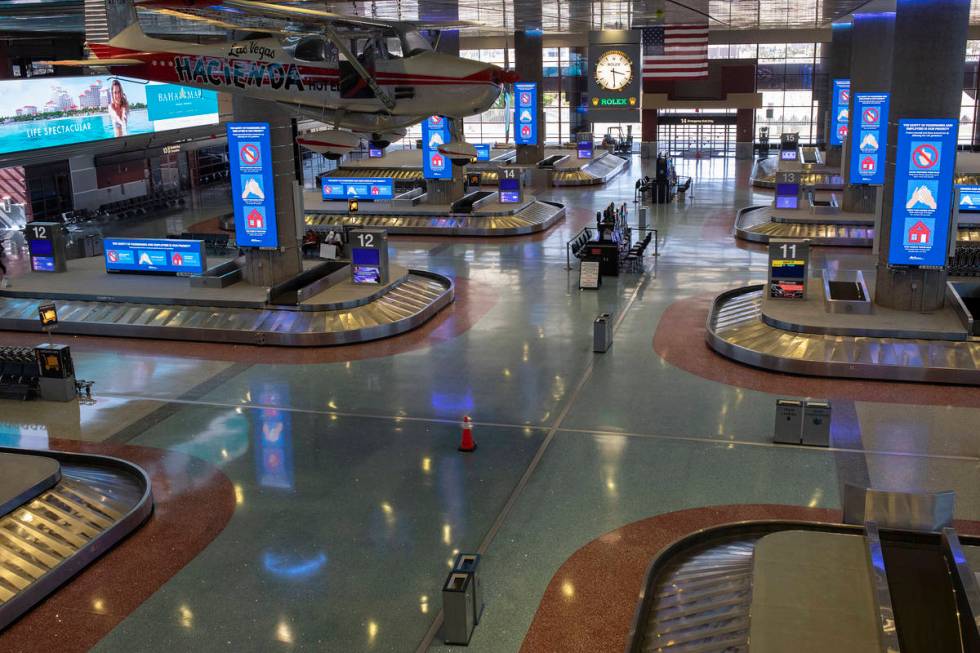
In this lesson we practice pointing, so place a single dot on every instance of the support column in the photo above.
(871, 72)
(648, 134)
(528, 64)
(744, 133)
(927, 82)
(270, 267)
(838, 67)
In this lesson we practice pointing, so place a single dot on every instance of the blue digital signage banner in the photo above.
(482, 151)
(158, 255)
(252, 194)
(924, 163)
(870, 138)
(526, 113)
(435, 132)
(44, 112)
(367, 188)
(969, 199)
(838, 109)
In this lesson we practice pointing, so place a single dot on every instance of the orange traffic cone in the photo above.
(467, 443)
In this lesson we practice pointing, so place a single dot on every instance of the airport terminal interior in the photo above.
(497, 325)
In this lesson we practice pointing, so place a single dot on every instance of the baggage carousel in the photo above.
(532, 217)
(760, 223)
(572, 172)
(812, 587)
(58, 513)
(736, 329)
(404, 304)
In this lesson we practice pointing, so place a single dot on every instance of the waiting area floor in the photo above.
(314, 500)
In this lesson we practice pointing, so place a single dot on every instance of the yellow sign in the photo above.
(352, 206)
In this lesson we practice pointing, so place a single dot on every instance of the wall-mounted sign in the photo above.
(482, 151)
(870, 137)
(788, 262)
(615, 76)
(969, 199)
(252, 194)
(526, 113)
(50, 111)
(365, 188)
(924, 162)
(435, 132)
(155, 255)
(697, 119)
(839, 112)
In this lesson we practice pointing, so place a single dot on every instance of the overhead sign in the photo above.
(155, 255)
(365, 188)
(969, 199)
(615, 76)
(482, 151)
(526, 113)
(252, 194)
(839, 119)
(870, 137)
(435, 132)
(50, 111)
(924, 163)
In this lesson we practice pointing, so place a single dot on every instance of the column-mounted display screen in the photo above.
(920, 216)
(252, 192)
(526, 113)
(870, 138)
(435, 132)
(969, 199)
(839, 119)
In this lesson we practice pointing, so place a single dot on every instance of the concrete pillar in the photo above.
(927, 82)
(871, 71)
(271, 267)
(528, 64)
(838, 67)
(648, 134)
(744, 133)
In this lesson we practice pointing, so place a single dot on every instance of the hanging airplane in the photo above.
(362, 75)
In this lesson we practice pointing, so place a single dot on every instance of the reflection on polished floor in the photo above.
(348, 497)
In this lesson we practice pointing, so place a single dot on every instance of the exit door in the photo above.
(696, 137)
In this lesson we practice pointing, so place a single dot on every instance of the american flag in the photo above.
(675, 51)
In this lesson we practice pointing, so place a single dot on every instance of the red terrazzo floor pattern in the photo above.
(193, 503)
(679, 340)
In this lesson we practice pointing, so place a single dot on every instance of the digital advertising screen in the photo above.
(435, 132)
(870, 137)
(839, 119)
(526, 113)
(252, 194)
(969, 199)
(375, 153)
(50, 111)
(366, 265)
(920, 219)
(482, 151)
(364, 188)
(787, 196)
(510, 191)
(154, 255)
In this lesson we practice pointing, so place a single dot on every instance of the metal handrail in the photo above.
(568, 246)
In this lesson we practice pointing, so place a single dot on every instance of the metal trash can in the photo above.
(816, 423)
(469, 563)
(789, 421)
(601, 333)
(457, 608)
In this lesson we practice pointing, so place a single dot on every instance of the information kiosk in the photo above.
(46, 243)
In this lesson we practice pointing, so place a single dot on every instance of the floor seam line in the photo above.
(518, 490)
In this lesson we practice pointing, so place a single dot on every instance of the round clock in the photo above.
(613, 70)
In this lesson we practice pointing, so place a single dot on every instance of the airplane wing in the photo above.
(95, 62)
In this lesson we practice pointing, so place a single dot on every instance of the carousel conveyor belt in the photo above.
(402, 308)
(96, 502)
(698, 593)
